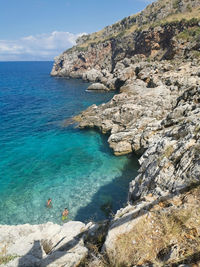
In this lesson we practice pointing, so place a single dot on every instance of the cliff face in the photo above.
(99, 61)
(76, 62)
(158, 11)
(156, 115)
(151, 34)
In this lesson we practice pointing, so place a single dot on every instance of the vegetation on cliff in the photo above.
(163, 31)
(165, 232)
(156, 14)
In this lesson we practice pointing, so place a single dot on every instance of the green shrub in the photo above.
(190, 33)
(176, 4)
(189, 8)
(81, 48)
(7, 258)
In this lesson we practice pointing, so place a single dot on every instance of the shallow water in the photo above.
(41, 159)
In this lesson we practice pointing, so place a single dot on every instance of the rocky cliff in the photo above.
(153, 59)
(160, 32)
(154, 62)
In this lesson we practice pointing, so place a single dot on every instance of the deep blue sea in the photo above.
(41, 159)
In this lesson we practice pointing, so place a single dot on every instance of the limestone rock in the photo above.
(92, 75)
(46, 244)
(97, 87)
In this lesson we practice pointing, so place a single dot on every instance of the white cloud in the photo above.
(38, 47)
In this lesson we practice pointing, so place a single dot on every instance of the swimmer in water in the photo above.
(64, 214)
(49, 204)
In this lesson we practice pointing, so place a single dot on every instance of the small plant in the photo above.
(148, 59)
(176, 4)
(189, 8)
(196, 54)
(4, 258)
(7, 258)
(121, 34)
(81, 48)
(193, 21)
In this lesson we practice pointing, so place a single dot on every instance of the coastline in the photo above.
(156, 115)
(157, 148)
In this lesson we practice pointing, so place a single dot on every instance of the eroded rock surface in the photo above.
(157, 115)
(44, 245)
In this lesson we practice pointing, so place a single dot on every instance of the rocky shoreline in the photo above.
(154, 113)
(159, 123)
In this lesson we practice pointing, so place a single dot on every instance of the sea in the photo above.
(41, 157)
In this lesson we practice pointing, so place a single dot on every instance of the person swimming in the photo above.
(65, 214)
(49, 204)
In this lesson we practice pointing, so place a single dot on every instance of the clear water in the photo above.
(41, 159)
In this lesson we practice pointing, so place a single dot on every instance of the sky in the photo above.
(42, 29)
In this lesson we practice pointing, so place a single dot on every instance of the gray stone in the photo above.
(46, 244)
(97, 87)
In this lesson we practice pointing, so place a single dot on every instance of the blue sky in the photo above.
(42, 29)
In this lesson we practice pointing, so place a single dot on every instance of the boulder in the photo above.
(92, 75)
(97, 87)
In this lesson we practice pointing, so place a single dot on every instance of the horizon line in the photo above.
(26, 61)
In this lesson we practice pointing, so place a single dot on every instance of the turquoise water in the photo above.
(41, 159)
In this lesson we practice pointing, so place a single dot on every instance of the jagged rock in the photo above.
(92, 75)
(171, 161)
(128, 114)
(161, 123)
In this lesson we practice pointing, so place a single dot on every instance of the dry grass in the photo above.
(99, 36)
(7, 258)
(4, 258)
(194, 13)
(47, 246)
(159, 235)
(168, 235)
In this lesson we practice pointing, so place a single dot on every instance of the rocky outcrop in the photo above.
(134, 116)
(156, 232)
(44, 245)
(172, 160)
(97, 87)
(49, 244)
(100, 62)
(75, 62)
